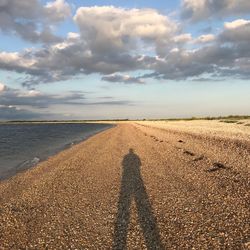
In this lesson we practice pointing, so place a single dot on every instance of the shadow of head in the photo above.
(131, 161)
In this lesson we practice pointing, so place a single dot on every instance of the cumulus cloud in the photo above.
(113, 41)
(108, 43)
(32, 21)
(57, 11)
(197, 10)
(112, 29)
(236, 32)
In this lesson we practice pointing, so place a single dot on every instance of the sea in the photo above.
(24, 145)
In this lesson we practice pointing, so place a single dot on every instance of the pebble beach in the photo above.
(138, 185)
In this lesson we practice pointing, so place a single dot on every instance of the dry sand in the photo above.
(142, 185)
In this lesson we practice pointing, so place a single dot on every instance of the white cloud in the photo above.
(183, 38)
(17, 60)
(174, 50)
(205, 38)
(2, 87)
(73, 36)
(236, 24)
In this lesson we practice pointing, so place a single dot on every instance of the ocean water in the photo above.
(24, 145)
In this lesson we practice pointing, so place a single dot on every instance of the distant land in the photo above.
(229, 117)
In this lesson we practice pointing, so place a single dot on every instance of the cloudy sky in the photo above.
(124, 59)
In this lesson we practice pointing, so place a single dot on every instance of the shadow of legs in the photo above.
(146, 217)
(122, 220)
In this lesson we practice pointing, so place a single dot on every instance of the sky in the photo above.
(69, 59)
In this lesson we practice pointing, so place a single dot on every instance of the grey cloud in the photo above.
(32, 98)
(122, 78)
(111, 103)
(206, 80)
(10, 97)
(30, 20)
(57, 11)
(236, 35)
(55, 64)
(211, 60)
(198, 10)
(13, 113)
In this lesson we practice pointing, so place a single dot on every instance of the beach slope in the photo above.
(137, 185)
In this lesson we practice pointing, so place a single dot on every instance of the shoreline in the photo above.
(78, 198)
(31, 163)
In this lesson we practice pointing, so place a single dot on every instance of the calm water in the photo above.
(24, 145)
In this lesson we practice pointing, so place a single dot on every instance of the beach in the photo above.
(140, 185)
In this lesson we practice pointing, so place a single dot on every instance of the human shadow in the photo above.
(132, 186)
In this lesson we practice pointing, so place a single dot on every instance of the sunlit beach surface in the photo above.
(140, 185)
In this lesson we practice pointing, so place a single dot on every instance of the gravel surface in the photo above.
(133, 186)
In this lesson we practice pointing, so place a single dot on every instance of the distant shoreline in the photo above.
(233, 117)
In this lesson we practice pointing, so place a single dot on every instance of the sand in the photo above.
(137, 185)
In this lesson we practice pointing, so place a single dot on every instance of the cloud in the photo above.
(183, 38)
(13, 113)
(114, 41)
(236, 24)
(32, 21)
(199, 10)
(36, 99)
(207, 38)
(111, 103)
(122, 78)
(33, 104)
(65, 60)
(2, 87)
(108, 42)
(117, 28)
(236, 32)
(57, 11)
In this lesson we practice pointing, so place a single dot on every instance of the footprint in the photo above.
(199, 158)
(216, 166)
(188, 153)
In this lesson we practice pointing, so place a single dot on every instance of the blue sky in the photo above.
(135, 59)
